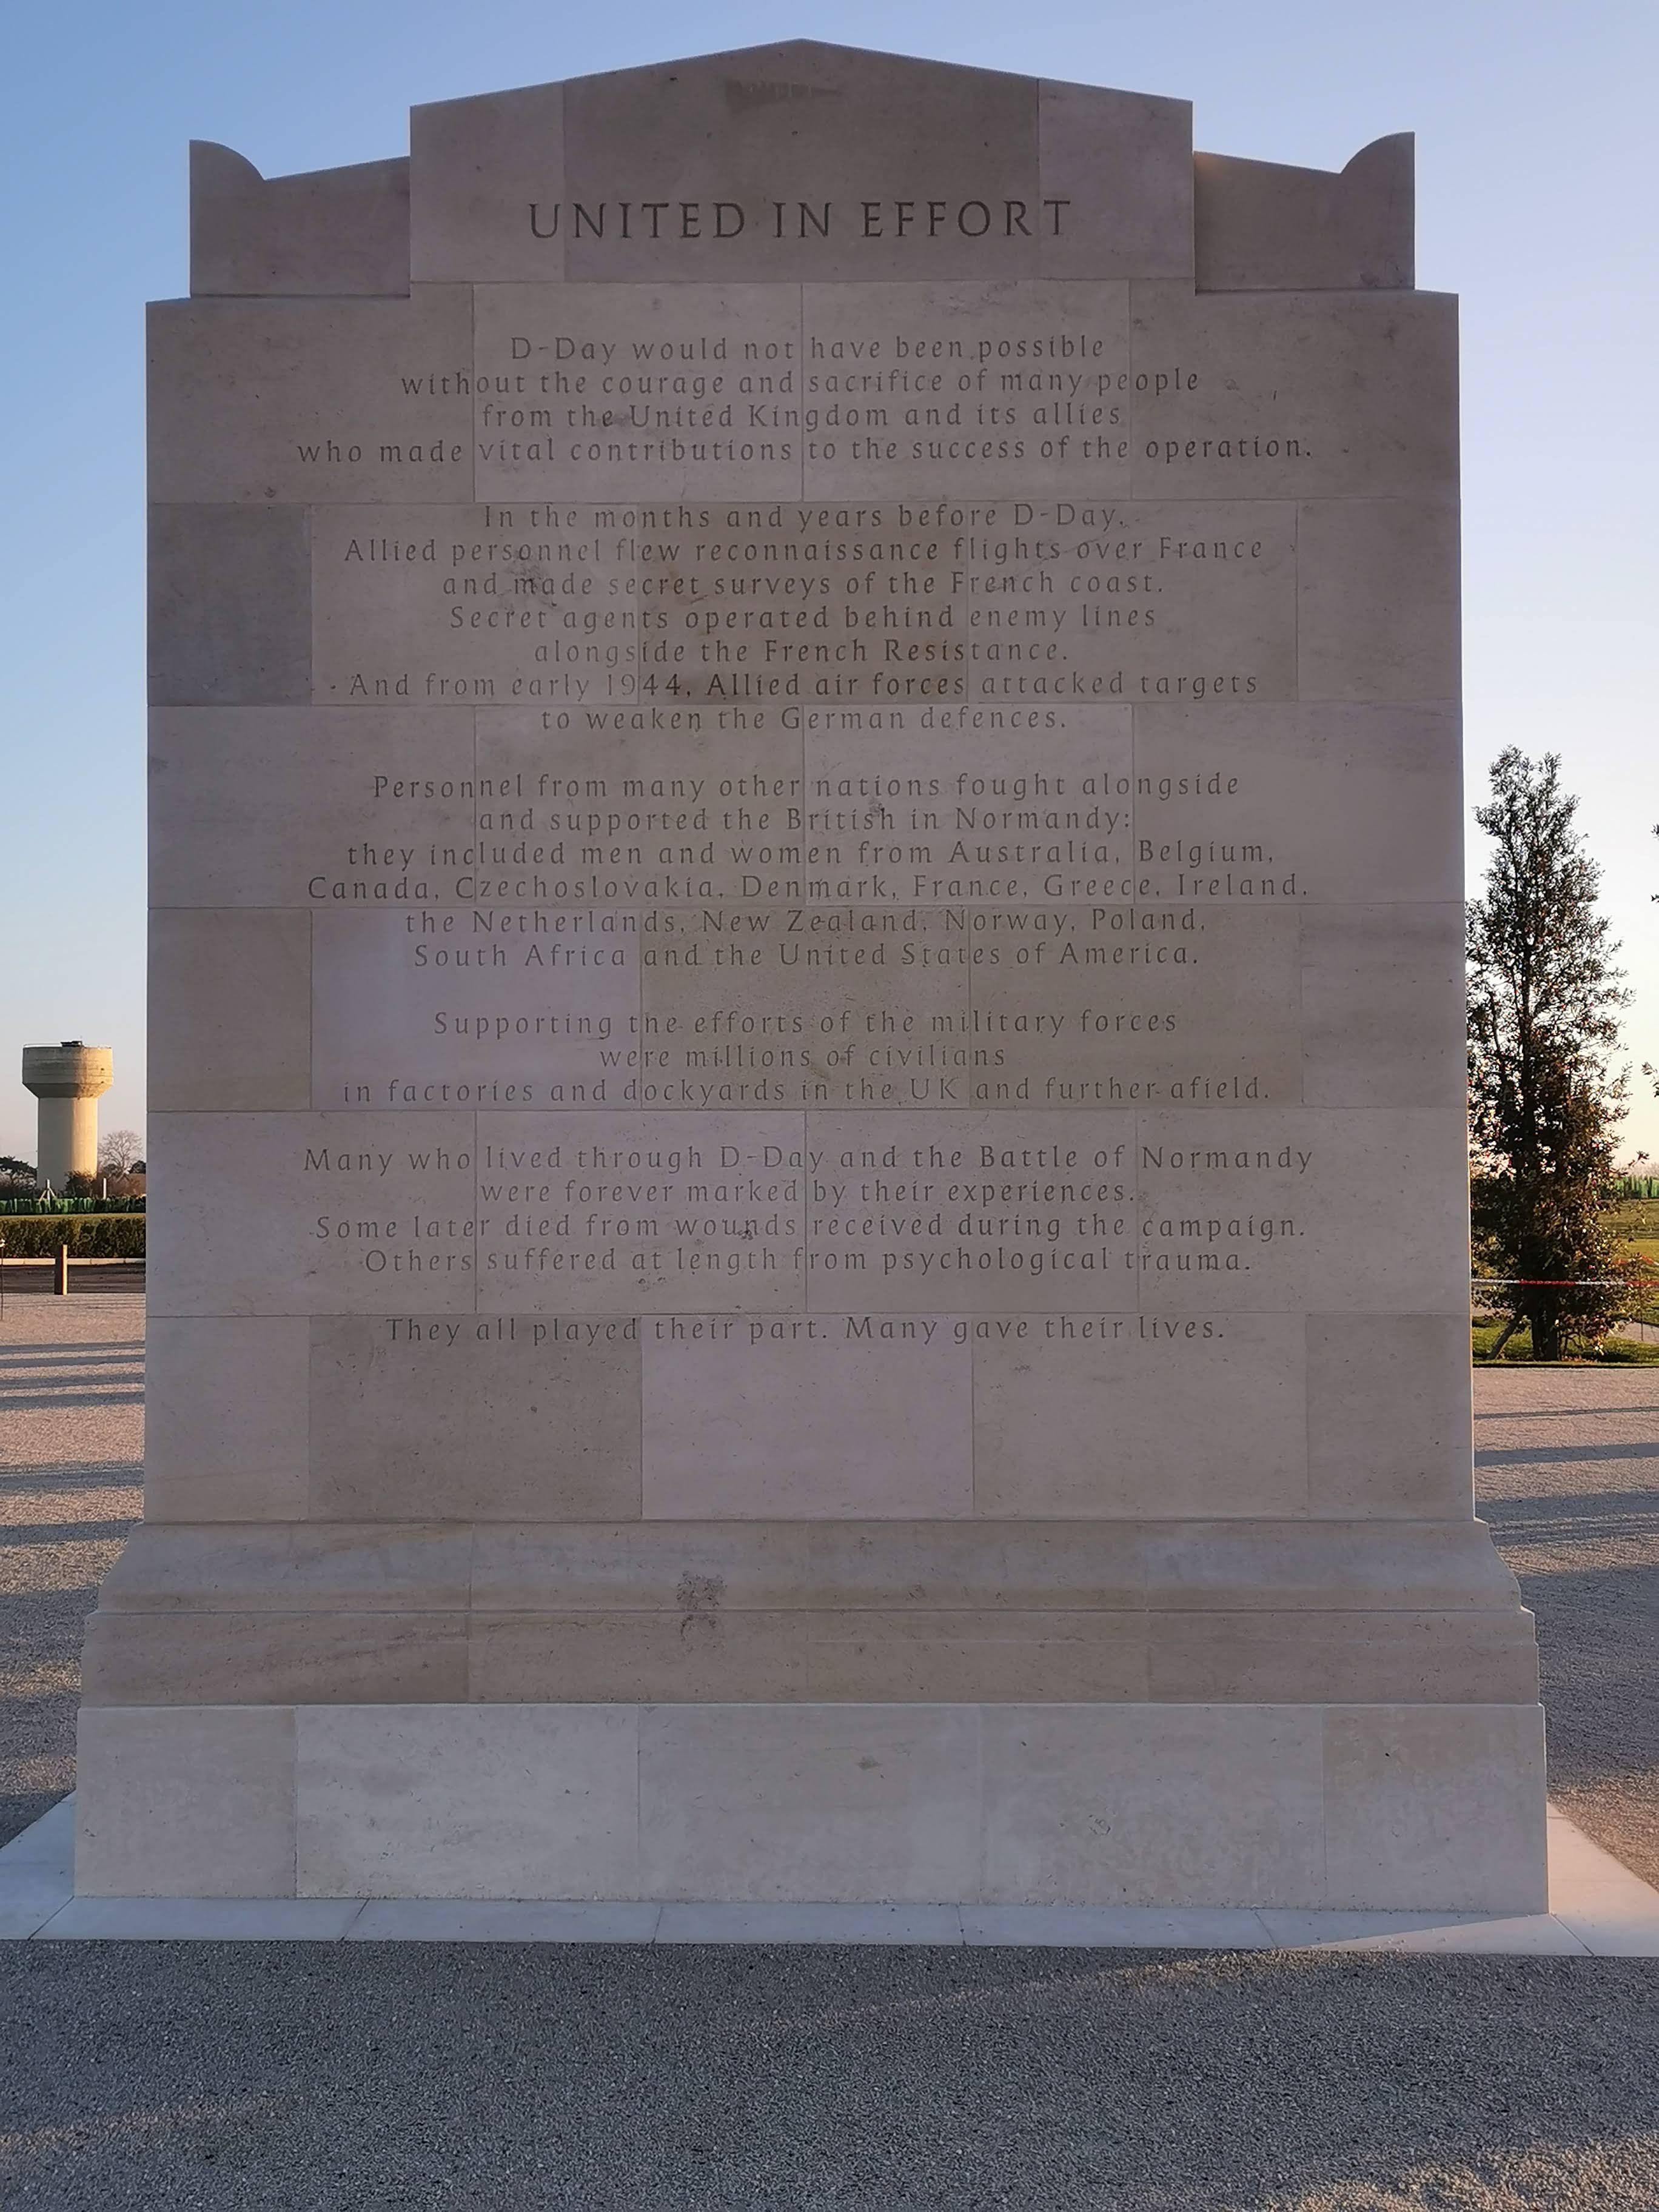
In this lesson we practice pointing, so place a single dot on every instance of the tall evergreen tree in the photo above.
(1544, 1103)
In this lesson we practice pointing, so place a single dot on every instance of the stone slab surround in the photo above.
(808, 1159)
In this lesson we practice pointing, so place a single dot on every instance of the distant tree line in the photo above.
(120, 1171)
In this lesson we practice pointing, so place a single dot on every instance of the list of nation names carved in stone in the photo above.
(786, 1006)
(972, 804)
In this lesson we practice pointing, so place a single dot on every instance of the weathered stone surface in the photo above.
(774, 133)
(1265, 226)
(275, 807)
(229, 606)
(1132, 1803)
(544, 1798)
(1043, 1450)
(184, 1801)
(476, 168)
(808, 1159)
(1301, 394)
(226, 1427)
(463, 1419)
(230, 1009)
(1378, 608)
(341, 231)
(276, 401)
(1123, 161)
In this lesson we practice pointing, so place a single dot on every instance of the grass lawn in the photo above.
(1611, 1352)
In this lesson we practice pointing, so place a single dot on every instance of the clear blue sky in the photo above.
(1535, 128)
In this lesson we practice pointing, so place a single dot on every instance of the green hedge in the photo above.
(70, 1205)
(89, 1235)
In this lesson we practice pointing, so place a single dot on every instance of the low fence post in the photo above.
(60, 1273)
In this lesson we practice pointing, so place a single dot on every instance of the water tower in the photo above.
(69, 1079)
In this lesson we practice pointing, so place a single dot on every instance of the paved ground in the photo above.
(71, 1446)
(1567, 1473)
(407, 2076)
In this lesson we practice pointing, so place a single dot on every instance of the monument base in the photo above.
(1436, 1806)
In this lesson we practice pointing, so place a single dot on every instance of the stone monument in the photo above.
(69, 1079)
(807, 1147)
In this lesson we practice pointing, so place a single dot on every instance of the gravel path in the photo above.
(72, 1475)
(396, 2078)
(418, 2078)
(1567, 1473)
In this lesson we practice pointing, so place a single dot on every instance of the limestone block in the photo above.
(1138, 604)
(699, 803)
(267, 1658)
(989, 1657)
(1326, 802)
(835, 125)
(1436, 1805)
(1381, 1658)
(914, 783)
(470, 1801)
(770, 601)
(708, 1654)
(323, 232)
(1266, 226)
(230, 1009)
(225, 1423)
(1111, 1012)
(1004, 1211)
(673, 1568)
(814, 1801)
(850, 1417)
(229, 606)
(185, 1802)
(293, 1568)
(1389, 1415)
(1314, 1209)
(1128, 1415)
(433, 1007)
(460, 1418)
(640, 1212)
(1295, 396)
(1377, 595)
(791, 1007)
(770, 1566)
(281, 807)
(1382, 1006)
(1319, 1566)
(1151, 1805)
(443, 606)
(667, 392)
(477, 167)
(297, 1213)
(914, 389)
(1123, 162)
(292, 401)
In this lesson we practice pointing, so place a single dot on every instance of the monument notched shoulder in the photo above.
(1264, 227)
(341, 233)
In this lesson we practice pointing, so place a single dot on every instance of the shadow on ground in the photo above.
(372, 2076)
(1571, 1491)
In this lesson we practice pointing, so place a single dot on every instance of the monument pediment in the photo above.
(881, 166)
